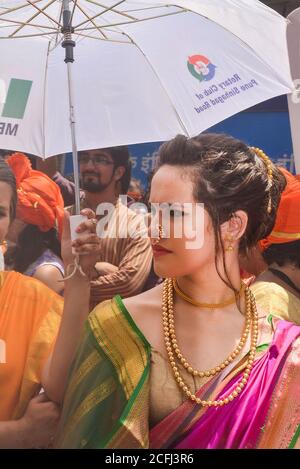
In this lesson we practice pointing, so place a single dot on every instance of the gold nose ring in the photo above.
(161, 234)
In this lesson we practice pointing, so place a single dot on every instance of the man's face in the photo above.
(96, 170)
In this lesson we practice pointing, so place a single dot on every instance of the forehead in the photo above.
(5, 194)
(171, 184)
(97, 152)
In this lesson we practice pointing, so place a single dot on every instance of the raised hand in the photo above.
(86, 247)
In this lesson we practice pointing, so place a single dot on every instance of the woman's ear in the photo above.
(235, 227)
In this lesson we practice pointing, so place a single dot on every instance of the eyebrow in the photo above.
(171, 205)
(168, 203)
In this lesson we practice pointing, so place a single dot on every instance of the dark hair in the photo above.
(7, 176)
(227, 176)
(4, 153)
(32, 242)
(283, 254)
(121, 157)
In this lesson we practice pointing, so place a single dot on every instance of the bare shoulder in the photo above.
(145, 309)
(145, 301)
(50, 276)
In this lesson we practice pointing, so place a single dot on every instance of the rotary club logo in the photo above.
(201, 67)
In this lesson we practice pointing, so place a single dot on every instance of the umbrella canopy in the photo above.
(143, 71)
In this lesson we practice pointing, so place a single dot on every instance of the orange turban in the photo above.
(287, 225)
(40, 201)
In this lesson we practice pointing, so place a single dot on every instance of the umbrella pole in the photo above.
(74, 144)
(68, 44)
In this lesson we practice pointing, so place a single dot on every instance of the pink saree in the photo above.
(265, 415)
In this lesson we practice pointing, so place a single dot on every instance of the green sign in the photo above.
(16, 99)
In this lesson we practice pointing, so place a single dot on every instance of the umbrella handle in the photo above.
(75, 221)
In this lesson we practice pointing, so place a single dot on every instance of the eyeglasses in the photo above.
(96, 160)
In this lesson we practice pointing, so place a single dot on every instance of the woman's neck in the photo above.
(208, 287)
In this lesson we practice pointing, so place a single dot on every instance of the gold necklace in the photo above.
(179, 292)
(169, 335)
(218, 368)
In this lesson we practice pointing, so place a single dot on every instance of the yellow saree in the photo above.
(273, 298)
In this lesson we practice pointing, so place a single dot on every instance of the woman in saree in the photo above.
(30, 314)
(34, 236)
(30, 317)
(276, 260)
(192, 363)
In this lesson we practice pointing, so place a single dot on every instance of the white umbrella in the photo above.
(143, 71)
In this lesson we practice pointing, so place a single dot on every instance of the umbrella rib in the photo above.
(101, 39)
(58, 31)
(43, 12)
(27, 23)
(30, 35)
(92, 21)
(73, 10)
(24, 24)
(101, 13)
(11, 10)
(149, 8)
(137, 21)
(115, 11)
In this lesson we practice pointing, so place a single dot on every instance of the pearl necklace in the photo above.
(173, 349)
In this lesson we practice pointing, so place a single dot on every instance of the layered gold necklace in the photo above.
(175, 355)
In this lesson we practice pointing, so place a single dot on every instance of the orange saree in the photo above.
(30, 315)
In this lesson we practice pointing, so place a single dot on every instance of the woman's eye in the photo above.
(176, 213)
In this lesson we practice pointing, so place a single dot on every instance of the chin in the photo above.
(163, 270)
(91, 187)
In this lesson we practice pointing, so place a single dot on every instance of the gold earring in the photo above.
(3, 246)
(229, 248)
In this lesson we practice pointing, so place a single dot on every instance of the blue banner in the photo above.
(265, 126)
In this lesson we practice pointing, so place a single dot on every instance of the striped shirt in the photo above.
(132, 255)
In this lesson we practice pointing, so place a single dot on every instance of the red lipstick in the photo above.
(159, 251)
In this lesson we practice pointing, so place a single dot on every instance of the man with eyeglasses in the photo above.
(124, 263)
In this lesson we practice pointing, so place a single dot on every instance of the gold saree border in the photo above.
(119, 338)
(110, 334)
(85, 368)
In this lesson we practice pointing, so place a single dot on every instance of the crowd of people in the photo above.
(136, 341)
